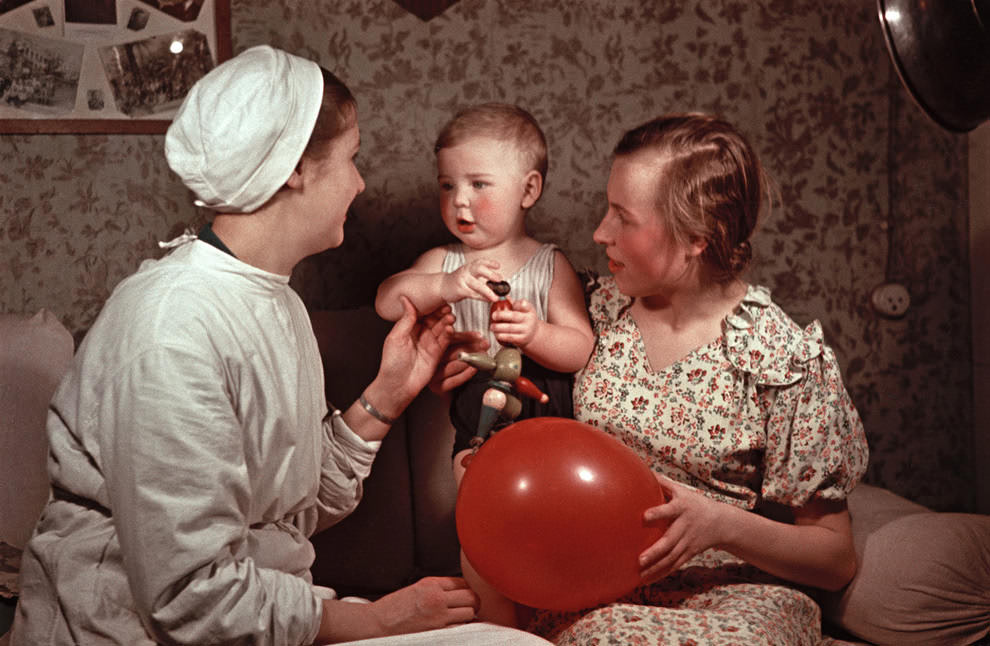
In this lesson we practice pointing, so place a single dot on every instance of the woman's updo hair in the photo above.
(709, 185)
(337, 113)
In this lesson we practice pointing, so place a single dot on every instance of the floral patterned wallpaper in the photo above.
(869, 189)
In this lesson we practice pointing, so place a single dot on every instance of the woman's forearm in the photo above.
(817, 550)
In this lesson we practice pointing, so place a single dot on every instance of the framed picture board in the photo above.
(104, 66)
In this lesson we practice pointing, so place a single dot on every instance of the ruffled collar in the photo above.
(759, 339)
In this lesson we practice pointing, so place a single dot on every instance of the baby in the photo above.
(491, 168)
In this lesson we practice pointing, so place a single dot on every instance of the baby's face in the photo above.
(482, 184)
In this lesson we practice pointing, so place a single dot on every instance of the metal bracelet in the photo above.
(374, 412)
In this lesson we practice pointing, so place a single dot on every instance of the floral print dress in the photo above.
(759, 415)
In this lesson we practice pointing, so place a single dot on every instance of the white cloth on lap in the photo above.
(477, 634)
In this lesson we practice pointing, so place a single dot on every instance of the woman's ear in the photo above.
(533, 188)
(295, 179)
(696, 247)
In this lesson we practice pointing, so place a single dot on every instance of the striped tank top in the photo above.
(531, 282)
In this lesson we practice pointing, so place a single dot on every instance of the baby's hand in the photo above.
(516, 326)
(470, 281)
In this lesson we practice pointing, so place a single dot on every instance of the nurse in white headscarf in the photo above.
(192, 449)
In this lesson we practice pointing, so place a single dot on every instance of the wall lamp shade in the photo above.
(941, 50)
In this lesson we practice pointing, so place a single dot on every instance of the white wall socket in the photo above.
(891, 299)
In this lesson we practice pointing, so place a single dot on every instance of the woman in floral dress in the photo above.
(741, 413)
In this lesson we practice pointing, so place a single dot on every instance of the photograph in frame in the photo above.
(104, 66)
(39, 74)
(152, 76)
(184, 10)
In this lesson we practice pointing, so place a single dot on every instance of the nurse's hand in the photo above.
(428, 604)
(432, 602)
(453, 372)
(410, 356)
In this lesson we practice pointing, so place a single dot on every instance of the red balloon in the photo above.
(550, 514)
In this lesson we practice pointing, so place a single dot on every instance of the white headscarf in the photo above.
(242, 128)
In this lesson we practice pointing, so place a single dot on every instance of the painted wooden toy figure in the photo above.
(506, 368)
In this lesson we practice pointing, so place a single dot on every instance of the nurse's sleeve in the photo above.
(347, 460)
(172, 453)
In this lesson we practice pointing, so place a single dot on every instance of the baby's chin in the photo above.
(470, 237)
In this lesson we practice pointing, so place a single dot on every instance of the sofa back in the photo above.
(403, 528)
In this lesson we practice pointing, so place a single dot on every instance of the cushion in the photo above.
(924, 576)
(35, 351)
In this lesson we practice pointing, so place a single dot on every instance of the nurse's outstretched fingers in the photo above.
(452, 372)
(410, 356)
(440, 322)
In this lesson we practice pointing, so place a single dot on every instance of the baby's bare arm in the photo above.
(428, 287)
(423, 289)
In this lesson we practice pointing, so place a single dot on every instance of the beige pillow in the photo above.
(35, 351)
(924, 576)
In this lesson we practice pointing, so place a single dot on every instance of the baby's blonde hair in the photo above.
(502, 122)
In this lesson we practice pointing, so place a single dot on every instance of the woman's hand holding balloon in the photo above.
(569, 501)
(693, 522)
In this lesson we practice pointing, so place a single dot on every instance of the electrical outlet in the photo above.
(891, 299)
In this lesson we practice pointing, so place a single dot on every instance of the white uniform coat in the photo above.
(191, 458)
